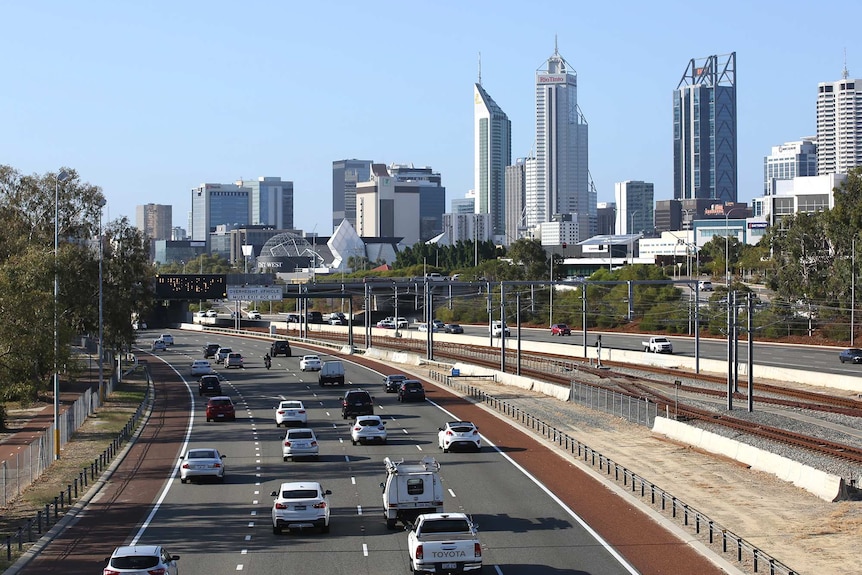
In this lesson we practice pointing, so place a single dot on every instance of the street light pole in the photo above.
(101, 311)
(61, 177)
(631, 243)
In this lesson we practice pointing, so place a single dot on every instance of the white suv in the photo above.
(300, 505)
(136, 559)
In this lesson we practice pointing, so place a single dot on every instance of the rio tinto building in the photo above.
(560, 183)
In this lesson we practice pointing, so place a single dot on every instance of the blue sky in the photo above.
(150, 99)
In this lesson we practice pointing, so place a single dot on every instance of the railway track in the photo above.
(563, 370)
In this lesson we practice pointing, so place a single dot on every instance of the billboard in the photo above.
(247, 293)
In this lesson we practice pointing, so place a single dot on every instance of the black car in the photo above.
(210, 350)
(411, 390)
(209, 385)
(853, 355)
(392, 382)
(280, 346)
(453, 328)
(356, 402)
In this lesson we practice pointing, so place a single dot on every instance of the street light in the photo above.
(102, 203)
(631, 243)
(61, 177)
(727, 244)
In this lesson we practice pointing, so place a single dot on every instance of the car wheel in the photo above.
(325, 529)
(221, 479)
(276, 530)
(285, 458)
(183, 480)
(445, 450)
(354, 441)
(383, 441)
(390, 524)
(208, 419)
(841, 359)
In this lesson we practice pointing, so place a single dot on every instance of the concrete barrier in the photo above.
(824, 485)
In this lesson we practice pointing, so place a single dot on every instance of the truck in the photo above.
(657, 344)
(411, 489)
(444, 543)
(497, 329)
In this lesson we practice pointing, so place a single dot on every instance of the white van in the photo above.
(331, 372)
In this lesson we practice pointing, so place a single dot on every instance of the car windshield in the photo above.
(299, 494)
(202, 454)
(300, 434)
(135, 562)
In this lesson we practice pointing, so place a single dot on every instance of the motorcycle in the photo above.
(267, 362)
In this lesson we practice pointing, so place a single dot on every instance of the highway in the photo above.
(222, 528)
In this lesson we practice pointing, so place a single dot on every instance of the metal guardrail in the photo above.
(718, 536)
(43, 520)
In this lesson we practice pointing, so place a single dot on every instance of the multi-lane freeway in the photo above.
(524, 500)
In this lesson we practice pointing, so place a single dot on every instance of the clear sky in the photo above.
(150, 99)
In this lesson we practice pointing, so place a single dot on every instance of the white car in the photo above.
(300, 505)
(202, 462)
(253, 314)
(201, 367)
(222, 354)
(289, 412)
(424, 327)
(159, 345)
(167, 338)
(142, 559)
(368, 428)
(310, 363)
(458, 434)
(299, 442)
(211, 313)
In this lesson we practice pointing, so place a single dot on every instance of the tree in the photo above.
(532, 257)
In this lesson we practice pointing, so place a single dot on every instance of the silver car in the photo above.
(299, 505)
(368, 428)
(142, 560)
(202, 462)
(300, 442)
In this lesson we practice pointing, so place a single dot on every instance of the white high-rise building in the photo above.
(561, 184)
(839, 125)
(492, 142)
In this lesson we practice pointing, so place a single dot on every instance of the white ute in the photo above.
(411, 489)
(444, 543)
(658, 345)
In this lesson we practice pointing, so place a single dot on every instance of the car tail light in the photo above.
(420, 553)
(357, 428)
(381, 427)
(475, 432)
(216, 465)
(321, 505)
(185, 465)
(281, 506)
(107, 571)
(287, 444)
(477, 550)
(313, 443)
(301, 411)
(449, 432)
(281, 412)
(157, 571)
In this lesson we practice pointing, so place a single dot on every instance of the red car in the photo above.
(220, 408)
(560, 329)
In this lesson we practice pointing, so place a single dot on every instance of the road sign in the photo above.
(254, 293)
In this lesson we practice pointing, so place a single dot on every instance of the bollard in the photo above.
(39, 519)
(62, 499)
(69, 493)
(47, 515)
(8, 548)
(55, 510)
(30, 530)
(76, 487)
(20, 539)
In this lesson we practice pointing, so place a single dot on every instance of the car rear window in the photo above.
(354, 397)
(299, 494)
(446, 526)
(412, 385)
(220, 402)
(462, 428)
(201, 455)
(367, 422)
(299, 434)
(135, 562)
(290, 405)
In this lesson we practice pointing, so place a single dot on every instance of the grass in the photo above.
(85, 447)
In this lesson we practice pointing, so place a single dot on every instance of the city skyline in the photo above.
(148, 107)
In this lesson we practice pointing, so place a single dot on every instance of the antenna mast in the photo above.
(845, 73)
(480, 68)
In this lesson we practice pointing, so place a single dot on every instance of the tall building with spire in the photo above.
(492, 152)
(704, 131)
(561, 182)
(839, 125)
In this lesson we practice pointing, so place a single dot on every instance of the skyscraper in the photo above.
(634, 203)
(839, 125)
(271, 202)
(218, 204)
(704, 130)
(561, 184)
(515, 192)
(345, 175)
(492, 142)
(155, 221)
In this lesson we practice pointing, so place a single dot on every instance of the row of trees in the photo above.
(27, 271)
